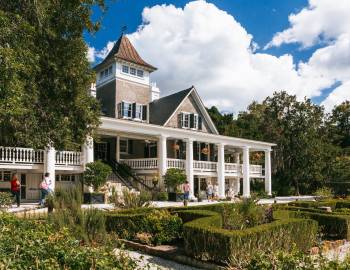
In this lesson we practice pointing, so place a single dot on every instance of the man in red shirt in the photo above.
(16, 189)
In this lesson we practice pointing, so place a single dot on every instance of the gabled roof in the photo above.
(163, 109)
(124, 50)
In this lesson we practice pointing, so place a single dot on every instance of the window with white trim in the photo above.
(66, 177)
(195, 121)
(126, 110)
(140, 73)
(125, 69)
(189, 120)
(5, 176)
(138, 111)
(133, 71)
(106, 72)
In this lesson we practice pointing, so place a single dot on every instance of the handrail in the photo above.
(116, 173)
(119, 166)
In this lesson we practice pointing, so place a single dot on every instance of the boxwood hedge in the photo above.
(205, 239)
(333, 225)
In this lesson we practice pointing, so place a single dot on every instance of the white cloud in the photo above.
(339, 95)
(325, 23)
(204, 46)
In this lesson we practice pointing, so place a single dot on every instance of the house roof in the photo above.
(124, 50)
(161, 109)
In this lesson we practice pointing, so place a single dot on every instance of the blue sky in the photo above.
(262, 19)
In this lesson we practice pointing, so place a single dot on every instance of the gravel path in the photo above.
(150, 262)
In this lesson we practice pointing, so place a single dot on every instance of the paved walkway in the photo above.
(150, 262)
(162, 204)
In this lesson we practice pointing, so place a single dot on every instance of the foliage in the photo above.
(174, 177)
(45, 74)
(28, 244)
(96, 174)
(332, 226)
(160, 224)
(162, 196)
(265, 260)
(324, 192)
(87, 225)
(305, 146)
(244, 215)
(6, 200)
(205, 238)
(131, 199)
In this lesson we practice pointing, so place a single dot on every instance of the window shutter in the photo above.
(200, 122)
(180, 120)
(133, 113)
(144, 112)
(191, 120)
(130, 146)
(122, 107)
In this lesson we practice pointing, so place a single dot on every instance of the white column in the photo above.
(88, 151)
(246, 172)
(221, 170)
(117, 148)
(237, 158)
(238, 179)
(189, 166)
(268, 188)
(49, 164)
(162, 155)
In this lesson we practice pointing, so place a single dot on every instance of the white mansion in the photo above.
(148, 133)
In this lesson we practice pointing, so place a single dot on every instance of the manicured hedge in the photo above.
(205, 238)
(157, 222)
(332, 225)
(342, 204)
(314, 204)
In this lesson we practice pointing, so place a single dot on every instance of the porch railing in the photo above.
(68, 158)
(233, 168)
(176, 163)
(142, 163)
(205, 166)
(21, 155)
(256, 170)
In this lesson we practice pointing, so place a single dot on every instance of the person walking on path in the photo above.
(209, 191)
(44, 188)
(186, 189)
(16, 189)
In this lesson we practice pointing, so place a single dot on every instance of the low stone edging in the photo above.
(170, 253)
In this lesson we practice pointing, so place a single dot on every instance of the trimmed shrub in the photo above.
(163, 226)
(205, 239)
(332, 225)
(308, 204)
(342, 204)
(162, 196)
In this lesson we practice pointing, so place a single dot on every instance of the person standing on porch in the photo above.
(216, 191)
(186, 189)
(16, 189)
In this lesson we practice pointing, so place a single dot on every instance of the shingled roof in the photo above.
(124, 50)
(161, 109)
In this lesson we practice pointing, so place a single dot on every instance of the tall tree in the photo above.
(44, 73)
(339, 126)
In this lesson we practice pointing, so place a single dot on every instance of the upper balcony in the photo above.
(28, 158)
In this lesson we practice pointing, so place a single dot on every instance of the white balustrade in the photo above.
(232, 168)
(205, 166)
(141, 163)
(256, 170)
(176, 163)
(68, 158)
(21, 155)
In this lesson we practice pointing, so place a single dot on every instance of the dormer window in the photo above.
(190, 121)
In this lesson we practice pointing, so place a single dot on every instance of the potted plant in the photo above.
(95, 176)
(173, 179)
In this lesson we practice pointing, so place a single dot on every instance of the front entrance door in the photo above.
(101, 151)
(32, 187)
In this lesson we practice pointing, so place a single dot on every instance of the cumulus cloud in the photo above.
(91, 54)
(204, 46)
(325, 23)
